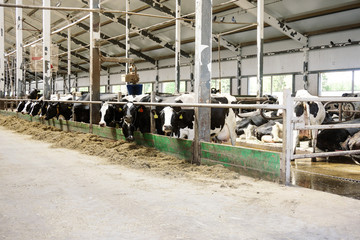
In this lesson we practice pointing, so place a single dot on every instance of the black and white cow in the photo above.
(179, 122)
(135, 117)
(82, 111)
(20, 106)
(36, 107)
(331, 139)
(110, 115)
(309, 113)
(59, 110)
(43, 109)
(27, 107)
(34, 94)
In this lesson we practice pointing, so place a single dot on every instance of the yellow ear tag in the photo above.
(156, 116)
(120, 109)
(181, 117)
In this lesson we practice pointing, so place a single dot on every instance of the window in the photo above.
(357, 81)
(119, 88)
(83, 89)
(273, 85)
(147, 88)
(337, 83)
(169, 87)
(225, 84)
(102, 89)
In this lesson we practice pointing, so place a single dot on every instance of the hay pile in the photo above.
(117, 152)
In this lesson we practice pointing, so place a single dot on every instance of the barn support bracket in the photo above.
(218, 39)
(272, 21)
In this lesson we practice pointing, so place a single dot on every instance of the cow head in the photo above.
(106, 114)
(130, 111)
(36, 108)
(52, 110)
(27, 107)
(20, 106)
(43, 109)
(171, 118)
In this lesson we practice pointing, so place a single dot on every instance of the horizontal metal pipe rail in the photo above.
(242, 106)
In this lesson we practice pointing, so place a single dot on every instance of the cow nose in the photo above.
(128, 119)
(167, 128)
(130, 138)
(102, 124)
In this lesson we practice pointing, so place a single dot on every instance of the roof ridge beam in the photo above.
(218, 39)
(272, 21)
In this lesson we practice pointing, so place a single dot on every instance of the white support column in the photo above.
(238, 72)
(46, 50)
(260, 44)
(192, 74)
(306, 66)
(19, 83)
(94, 62)
(203, 48)
(287, 138)
(127, 32)
(69, 58)
(177, 46)
(2, 49)
(156, 87)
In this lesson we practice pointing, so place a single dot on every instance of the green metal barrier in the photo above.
(251, 162)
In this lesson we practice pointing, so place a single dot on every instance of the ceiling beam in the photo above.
(272, 21)
(162, 8)
(122, 45)
(147, 34)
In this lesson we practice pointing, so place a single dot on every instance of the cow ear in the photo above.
(153, 111)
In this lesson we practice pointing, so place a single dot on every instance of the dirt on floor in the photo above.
(117, 152)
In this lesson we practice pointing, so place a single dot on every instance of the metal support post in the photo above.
(157, 77)
(76, 82)
(46, 49)
(94, 63)
(152, 118)
(306, 66)
(260, 45)
(287, 138)
(108, 90)
(177, 45)
(192, 75)
(20, 85)
(203, 47)
(69, 59)
(127, 32)
(238, 72)
(2, 48)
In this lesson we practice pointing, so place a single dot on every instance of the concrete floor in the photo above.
(49, 193)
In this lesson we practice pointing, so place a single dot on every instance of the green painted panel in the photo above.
(253, 162)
